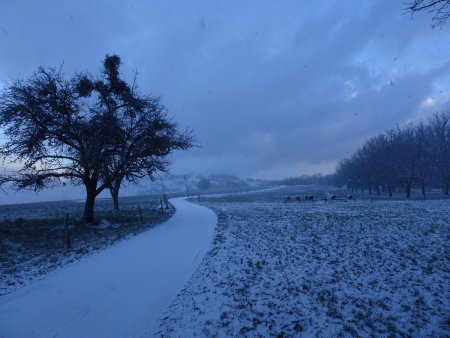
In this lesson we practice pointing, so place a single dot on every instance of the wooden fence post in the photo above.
(162, 205)
(66, 227)
(166, 201)
(187, 189)
(140, 214)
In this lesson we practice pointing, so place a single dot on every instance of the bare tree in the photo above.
(78, 131)
(439, 9)
(408, 156)
(423, 141)
(148, 138)
(53, 134)
(401, 158)
(440, 129)
(143, 134)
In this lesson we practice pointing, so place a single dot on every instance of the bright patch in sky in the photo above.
(429, 102)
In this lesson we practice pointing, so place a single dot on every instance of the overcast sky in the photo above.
(271, 88)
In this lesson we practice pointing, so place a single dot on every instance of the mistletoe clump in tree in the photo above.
(94, 131)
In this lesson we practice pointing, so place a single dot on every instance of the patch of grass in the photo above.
(34, 242)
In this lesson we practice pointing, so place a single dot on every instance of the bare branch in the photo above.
(439, 9)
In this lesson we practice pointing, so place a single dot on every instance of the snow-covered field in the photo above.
(32, 236)
(118, 292)
(357, 268)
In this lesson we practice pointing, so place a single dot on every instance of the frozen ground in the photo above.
(32, 236)
(119, 292)
(324, 269)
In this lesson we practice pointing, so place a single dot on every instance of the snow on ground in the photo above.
(119, 292)
(32, 236)
(324, 269)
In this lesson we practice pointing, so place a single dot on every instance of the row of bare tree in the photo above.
(94, 131)
(407, 156)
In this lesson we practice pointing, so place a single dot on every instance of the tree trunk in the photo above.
(408, 190)
(370, 189)
(114, 190)
(116, 199)
(115, 196)
(88, 215)
(390, 191)
(378, 189)
(422, 187)
(447, 188)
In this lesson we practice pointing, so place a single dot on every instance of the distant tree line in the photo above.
(401, 158)
(96, 131)
(316, 179)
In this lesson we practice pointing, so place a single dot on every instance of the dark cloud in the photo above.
(270, 88)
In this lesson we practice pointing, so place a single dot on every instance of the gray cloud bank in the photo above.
(271, 88)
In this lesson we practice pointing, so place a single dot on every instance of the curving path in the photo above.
(121, 291)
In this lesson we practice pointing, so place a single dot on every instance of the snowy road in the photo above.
(119, 292)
